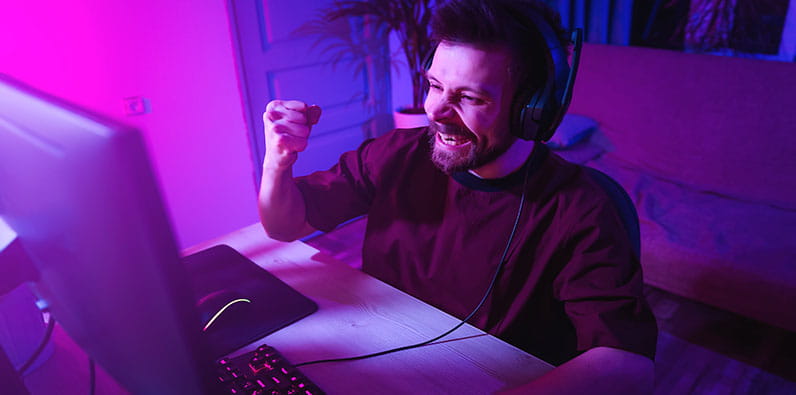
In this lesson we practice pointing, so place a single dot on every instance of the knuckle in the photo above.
(272, 105)
(279, 128)
(295, 105)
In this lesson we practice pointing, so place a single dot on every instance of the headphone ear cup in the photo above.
(537, 117)
(531, 112)
(544, 112)
(530, 118)
(522, 115)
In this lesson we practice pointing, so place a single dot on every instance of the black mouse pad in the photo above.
(271, 304)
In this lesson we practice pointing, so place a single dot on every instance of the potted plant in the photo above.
(343, 39)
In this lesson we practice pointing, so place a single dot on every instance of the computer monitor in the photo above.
(79, 192)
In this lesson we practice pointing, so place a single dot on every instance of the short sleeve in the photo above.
(343, 192)
(602, 287)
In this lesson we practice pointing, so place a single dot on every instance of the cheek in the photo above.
(426, 102)
(485, 126)
(432, 99)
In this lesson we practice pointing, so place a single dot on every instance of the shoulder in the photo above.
(560, 179)
(399, 142)
(400, 148)
(580, 197)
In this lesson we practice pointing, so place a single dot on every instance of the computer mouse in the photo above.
(222, 308)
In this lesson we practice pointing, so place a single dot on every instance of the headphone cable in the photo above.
(40, 348)
(472, 313)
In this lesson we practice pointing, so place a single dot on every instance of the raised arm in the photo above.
(281, 205)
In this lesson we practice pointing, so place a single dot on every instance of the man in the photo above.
(442, 202)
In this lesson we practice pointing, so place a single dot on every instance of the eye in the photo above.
(472, 99)
(433, 86)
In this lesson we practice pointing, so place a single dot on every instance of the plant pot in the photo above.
(408, 118)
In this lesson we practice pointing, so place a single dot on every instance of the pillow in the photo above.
(572, 130)
(581, 153)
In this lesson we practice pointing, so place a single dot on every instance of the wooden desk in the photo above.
(357, 315)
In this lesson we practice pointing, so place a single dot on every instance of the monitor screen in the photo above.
(79, 192)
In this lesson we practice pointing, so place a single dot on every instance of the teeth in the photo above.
(453, 140)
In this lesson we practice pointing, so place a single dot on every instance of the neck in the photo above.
(509, 162)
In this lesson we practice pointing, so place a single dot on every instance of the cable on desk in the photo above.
(478, 307)
(92, 376)
(46, 339)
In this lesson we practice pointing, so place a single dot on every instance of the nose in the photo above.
(437, 107)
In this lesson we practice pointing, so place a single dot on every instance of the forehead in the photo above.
(485, 68)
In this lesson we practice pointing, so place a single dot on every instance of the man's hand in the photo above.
(287, 129)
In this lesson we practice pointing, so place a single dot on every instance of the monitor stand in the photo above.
(221, 275)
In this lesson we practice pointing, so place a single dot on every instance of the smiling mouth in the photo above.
(451, 140)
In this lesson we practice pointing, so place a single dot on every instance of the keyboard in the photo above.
(263, 371)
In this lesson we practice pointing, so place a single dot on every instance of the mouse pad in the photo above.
(220, 275)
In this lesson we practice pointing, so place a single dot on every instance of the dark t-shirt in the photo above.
(571, 281)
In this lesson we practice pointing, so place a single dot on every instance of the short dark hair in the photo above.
(500, 23)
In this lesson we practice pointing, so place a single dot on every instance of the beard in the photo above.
(479, 153)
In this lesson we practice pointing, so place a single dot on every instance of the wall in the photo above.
(177, 54)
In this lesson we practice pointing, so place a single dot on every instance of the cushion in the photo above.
(582, 152)
(572, 130)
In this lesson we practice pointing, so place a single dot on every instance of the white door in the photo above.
(276, 63)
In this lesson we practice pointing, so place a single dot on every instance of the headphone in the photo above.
(535, 115)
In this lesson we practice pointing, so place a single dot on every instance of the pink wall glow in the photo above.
(178, 55)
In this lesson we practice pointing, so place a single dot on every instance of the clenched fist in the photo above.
(287, 128)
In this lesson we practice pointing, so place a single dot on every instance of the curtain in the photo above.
(602, 21)
(787, 46)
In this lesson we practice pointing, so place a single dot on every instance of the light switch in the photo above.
(136, 105)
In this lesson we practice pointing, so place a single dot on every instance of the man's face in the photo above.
(468, 105)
